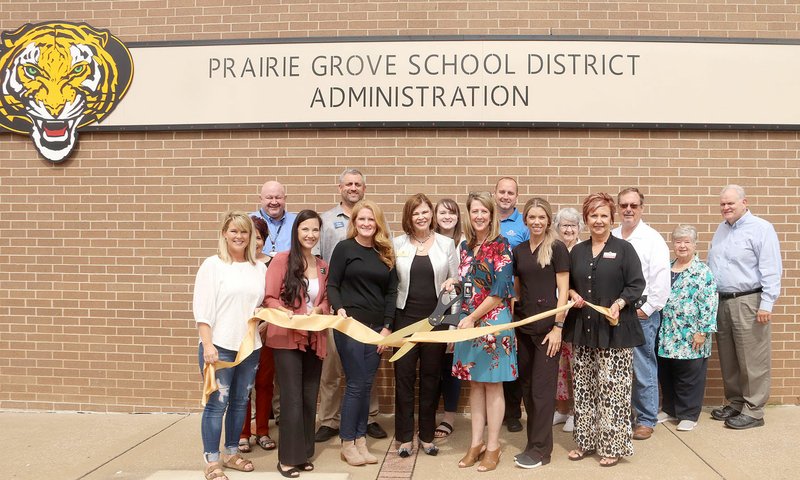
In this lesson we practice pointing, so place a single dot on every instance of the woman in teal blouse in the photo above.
(684, 340)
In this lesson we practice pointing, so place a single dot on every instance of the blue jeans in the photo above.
(233, 394)
(359, 362)
(645, 373)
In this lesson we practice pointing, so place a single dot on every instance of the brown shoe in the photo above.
(490, 461)
(350, 454)
(361, 446)
(642, 432)
(473, 455)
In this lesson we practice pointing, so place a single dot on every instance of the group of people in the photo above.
(598, 373)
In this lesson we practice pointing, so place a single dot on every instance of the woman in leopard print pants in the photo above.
(604, 271)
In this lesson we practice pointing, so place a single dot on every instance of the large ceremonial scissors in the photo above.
(441, 316)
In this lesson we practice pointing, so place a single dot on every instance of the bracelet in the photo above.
(620, 302)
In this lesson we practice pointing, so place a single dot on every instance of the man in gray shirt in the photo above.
(352, 186)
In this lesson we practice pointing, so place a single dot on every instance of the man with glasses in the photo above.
(279, 221)
(654, 256)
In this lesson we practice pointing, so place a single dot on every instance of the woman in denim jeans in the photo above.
(228, 289)
(362, 284)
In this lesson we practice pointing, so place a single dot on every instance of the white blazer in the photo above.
(443, 259)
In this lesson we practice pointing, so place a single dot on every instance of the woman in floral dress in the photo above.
(485, 271)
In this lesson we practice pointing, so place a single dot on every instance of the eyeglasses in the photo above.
(632, 206)
(567, 226)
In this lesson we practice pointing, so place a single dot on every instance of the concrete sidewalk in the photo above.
(55, 446)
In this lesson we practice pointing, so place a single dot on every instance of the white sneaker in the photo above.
(665, 417)
(685, 426)
(560, 417)
(569, 425)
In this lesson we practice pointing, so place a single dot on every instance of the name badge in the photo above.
(611, 255)
(338, 224)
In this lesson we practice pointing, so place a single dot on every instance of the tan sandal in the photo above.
(490, 461)
(214, 471)
(238, 462)
(473, 455)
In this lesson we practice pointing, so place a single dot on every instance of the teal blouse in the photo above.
(691, 308)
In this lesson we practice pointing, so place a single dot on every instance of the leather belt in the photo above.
(728, 296)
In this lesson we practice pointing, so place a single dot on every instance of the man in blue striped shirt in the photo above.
(745, 258)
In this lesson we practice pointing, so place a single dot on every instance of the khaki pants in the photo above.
(744, 354)
(330, 393)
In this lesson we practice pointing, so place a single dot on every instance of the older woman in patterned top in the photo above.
(684, 340)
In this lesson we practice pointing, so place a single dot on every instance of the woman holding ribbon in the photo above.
(424, 261)
(568, 225)
(541, 274)
(362, 284)
(265, 375)
(605, 271)
(296, 284)
(486, 362)
(228, 289)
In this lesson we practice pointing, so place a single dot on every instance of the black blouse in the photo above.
(615, 273)
(537, 285)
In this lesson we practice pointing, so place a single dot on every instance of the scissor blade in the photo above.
(426, 327)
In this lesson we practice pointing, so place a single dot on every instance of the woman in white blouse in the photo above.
(424, 261)
(228, 289)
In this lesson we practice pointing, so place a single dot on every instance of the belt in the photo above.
(728, 296)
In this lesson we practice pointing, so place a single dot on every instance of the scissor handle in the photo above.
(443, 307)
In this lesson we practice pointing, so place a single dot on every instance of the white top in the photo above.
(226, 296)
(443, 259)
(313, 292)
(654, 254)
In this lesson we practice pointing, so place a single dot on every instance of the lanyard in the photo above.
(272, 240)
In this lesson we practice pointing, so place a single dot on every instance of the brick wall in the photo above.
(98, 255)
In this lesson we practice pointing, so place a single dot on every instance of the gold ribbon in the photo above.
(405, 338)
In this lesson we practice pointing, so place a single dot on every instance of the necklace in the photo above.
(421, 243)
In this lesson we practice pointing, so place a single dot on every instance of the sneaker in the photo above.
(665, 417)
(559, 417)
(523, 460)
(569, 425)
(686, 426)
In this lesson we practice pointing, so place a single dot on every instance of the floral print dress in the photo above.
(491, 358)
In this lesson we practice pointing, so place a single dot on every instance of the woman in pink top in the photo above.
(296, 283)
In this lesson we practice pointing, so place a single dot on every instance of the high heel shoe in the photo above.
(490, 461)
(404, 451)
(431, 449)
(473, 455)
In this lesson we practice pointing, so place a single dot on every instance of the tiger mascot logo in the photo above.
(57, 77)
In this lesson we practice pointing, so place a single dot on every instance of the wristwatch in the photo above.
(559, 324)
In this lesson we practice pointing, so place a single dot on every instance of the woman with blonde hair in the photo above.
(362, 284)
(228, 289)
(541, 274)
(485, 271)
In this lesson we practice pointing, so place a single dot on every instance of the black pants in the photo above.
(430, 357)
(538, 376)
(683, 383)
(298, 373)
(512, 392)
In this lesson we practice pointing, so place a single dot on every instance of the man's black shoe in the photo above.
(724, 413)
(742, 422)
(514, 425)
(325, 433)
(375, 431)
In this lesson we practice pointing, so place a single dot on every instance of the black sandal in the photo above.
(307, 467)
(291, 473)
(443, 430)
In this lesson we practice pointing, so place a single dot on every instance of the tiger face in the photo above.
(57, 77)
